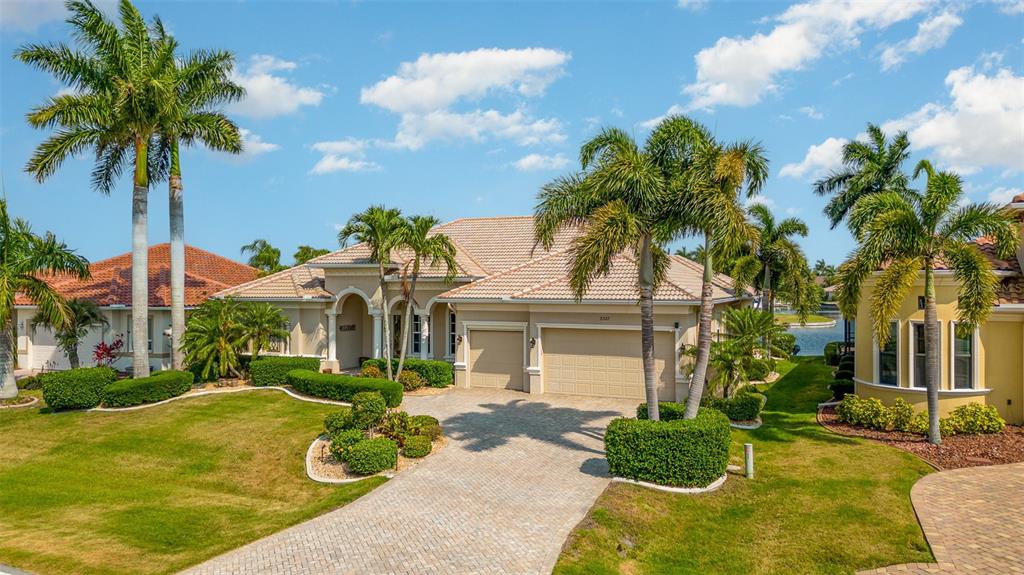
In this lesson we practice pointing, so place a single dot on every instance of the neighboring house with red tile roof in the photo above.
(987, 367)
(509, 319)
(110, 286)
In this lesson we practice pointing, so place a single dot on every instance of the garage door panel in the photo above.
(604, 363)
(496, 359)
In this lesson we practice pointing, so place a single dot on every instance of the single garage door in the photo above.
(496, 359)
(605, 363)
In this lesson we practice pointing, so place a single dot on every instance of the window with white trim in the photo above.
(149, 334)
(280, 345)
(417, 333)
(451, 333)
(963, 359)
(888, 357)
(917, 355)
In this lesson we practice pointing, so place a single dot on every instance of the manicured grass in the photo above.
(159, 489)
(820, 503)
(792, 318)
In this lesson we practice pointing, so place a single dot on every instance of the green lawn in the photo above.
(792, 318)
(157, 490)
(820, 503)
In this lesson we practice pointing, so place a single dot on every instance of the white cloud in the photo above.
(425, 91)
(1003, 196)
(740, 71)
(820, 158)
(535, 162)
(673, 110)
(811, 112)
(931, 33)
(840, 80)
(268, 94)
(346, 155)
(982, 126)
(1011, 7)
(253, 144)
(29, 15)
(761, 199)
(693, 5)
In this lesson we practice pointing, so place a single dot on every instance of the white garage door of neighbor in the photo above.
(605, 363)
(496, 359)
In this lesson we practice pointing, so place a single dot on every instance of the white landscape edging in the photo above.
(35, 400)
(221, 391)
(312, 474)
(828, 404)
(746, 427)
(684, 490)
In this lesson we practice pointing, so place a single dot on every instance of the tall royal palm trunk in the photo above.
(707, 307)
(931, 354)
(386, 344)
(140, 263)
(176, 211)
(408, 319)
(647, 327)
(767, 301)
(8, 387)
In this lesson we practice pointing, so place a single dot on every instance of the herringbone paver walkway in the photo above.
(973, 519)
(517, 476)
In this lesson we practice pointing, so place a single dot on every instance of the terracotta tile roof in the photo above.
(206, 273)
(299, 282)
(1011, 291)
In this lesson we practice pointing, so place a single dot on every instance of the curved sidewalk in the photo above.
(973, 519)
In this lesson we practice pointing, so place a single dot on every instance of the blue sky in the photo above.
(466, 109)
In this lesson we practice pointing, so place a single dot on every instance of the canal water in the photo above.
(812, 340)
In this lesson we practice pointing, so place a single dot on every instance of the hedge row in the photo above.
(679, 453)
(274, 370)
(157, 387)
(435, 372)
(80, 388)
(341, 387)
(744, 406)
(970, 418)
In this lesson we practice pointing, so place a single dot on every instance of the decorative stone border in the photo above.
(745, 426)
(222, 391)
(312, 473)
(828, 404)
(714, 485)
(35, 401)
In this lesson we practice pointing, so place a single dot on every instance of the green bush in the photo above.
(844, 374)
(371, 371)
(410, 380)
(846, 363)
(274, 370)
(786, 342)
(681, 453)
(371, 456)
(973, 418)
(435, 372)
(395, 426)
(80, 388)
(417, 446)
(841, 388)
(869, 412)
(900, 414)
(157, 387)
(343, 441)
(338, 421)
(667, 410)
(744, 406)
(758, 370)
(832, 352)
(342, 387)
(425, 425)
(368, 409)
(197, 373)
(30, 382)
(919, 425)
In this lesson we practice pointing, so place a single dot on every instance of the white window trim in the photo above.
(452, 333)
(912, 355)
(952, 358)
(416, 333)
(877, 366)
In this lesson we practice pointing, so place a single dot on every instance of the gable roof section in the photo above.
(298, 283)
(206, 273)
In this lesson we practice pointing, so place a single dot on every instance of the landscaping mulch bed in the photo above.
(956, 452)
(20, 401)
(326, 466)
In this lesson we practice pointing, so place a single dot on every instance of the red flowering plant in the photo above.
(104, 354)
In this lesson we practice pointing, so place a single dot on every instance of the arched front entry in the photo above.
(353, 332)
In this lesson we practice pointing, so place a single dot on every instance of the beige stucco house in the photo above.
(987, 367)
(508, 320)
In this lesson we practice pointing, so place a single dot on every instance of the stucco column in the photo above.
(332, 336)
(378, 330)
(424, 333)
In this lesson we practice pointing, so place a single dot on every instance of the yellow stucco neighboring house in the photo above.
(987, 367)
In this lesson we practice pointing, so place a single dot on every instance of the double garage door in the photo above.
(592, 362)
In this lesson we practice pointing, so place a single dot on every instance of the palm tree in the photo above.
(620, 198)
(438, 249)
(755, 331)
(122, 81)
(263, 256)
(868, 168)
(213, 336)
(262, 323)
(775, 253)
(72, 329)
(381, 229)
(26, 261)
(908, 232)
(305, 253)
(201, 83)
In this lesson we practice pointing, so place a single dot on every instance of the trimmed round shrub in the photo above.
(368, 409)
(410, 380)
(435, 372)
(841, 388)
(425, 425)
(157, 387)
(80, 388)
(919, 425)
(758, 370)
(900, 414)
(371, 371)
(869, 412)
(342, 387)
(844, 374)
(274, 370)
(371, 456)
(667, 410)
(416, 446)
(973, 418)
(832, 352)
(343, 441)
(786, 342)
(338, 421)
(680, 453)
(395, 426)
(744, 406)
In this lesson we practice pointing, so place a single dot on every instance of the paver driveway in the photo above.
(973, 519)
(518, 474)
